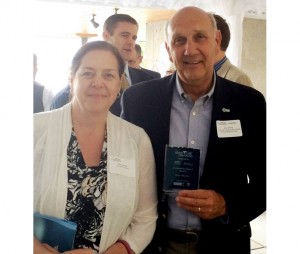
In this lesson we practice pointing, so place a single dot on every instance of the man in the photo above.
(121, 31)
(137, 58)
(42, 96)
(223, 66)
(224, 122)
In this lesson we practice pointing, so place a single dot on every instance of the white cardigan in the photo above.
(131, 189)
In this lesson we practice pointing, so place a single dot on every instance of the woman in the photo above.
(92, 167)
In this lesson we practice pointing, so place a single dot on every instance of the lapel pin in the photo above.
(225, 110)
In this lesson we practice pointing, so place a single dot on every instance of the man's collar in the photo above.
(183, 94)
(219, 64)
(126, 69)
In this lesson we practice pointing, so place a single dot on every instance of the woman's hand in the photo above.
(42, 248)
(80, 251)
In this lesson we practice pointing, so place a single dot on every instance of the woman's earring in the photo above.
(119, 94)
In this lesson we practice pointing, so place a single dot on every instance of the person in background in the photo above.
(226, 123)
(102, 167)
(42, 96)
(121, 31)
(137, 58)
(223, 66)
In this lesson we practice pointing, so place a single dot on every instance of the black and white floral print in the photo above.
(86, 200)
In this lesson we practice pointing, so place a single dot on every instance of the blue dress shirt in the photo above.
(189, 127)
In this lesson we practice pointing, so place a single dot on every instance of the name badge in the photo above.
(122, 166)
(229, 129)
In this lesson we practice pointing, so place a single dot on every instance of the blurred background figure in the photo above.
(42, 96)
(223, 66)
(136, 60)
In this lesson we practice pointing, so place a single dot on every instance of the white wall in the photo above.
(254, 52)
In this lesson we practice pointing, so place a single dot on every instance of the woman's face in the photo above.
(96, 83)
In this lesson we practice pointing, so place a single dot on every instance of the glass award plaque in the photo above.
(181, 169)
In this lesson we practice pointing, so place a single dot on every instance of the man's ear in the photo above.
(218, 39)
(105, 35)
(140, 59)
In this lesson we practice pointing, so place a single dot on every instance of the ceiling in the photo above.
(226, 7)
(153, 10)
(59, 17)
(73, 17)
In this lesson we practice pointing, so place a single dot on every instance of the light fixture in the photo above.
(95, 24)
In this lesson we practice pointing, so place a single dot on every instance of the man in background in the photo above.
(42, 96)
(136, 57)
(223, 66)
(136, 60)
(121, 31)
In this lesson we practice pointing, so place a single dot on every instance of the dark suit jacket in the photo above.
(61, 98)
(38, 91)
(136, 76)
(154, 74)
(229, 161)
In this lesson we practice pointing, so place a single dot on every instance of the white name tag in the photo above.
(229, 129)
(122, 166)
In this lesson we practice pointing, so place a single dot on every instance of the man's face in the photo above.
(192, 46)
(135, 60)
(123, 38)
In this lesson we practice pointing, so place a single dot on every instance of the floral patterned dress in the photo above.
(86, 199)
